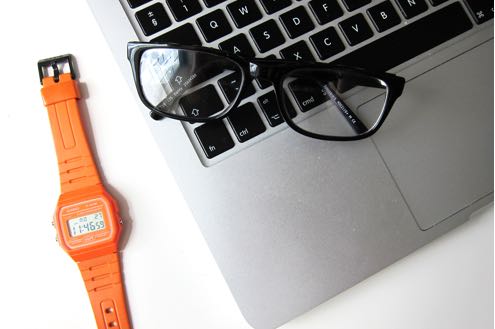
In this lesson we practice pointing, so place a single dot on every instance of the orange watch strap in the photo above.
(104, 285)
(75, 162)
(101, 271)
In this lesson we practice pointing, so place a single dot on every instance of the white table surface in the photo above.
(170, 275)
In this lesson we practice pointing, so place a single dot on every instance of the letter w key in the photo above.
(244, 12)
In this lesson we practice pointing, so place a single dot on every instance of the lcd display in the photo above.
(86, 224)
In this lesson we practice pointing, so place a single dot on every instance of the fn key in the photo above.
(214, 138)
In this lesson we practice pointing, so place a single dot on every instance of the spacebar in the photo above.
(411, 40)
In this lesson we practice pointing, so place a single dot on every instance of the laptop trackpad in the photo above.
(438, 139)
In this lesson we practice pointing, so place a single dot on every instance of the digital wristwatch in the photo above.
(86, 218)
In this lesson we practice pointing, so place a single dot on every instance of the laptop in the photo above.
(293, 221)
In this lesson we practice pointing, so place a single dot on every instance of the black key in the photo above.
(211, 3)
(356, 29)
(267, 36)
(327, 43)
(421, 35)
(412, 8)
(355, 4)
(482, 11)
(238, 45)
(384, 16)
(244, 12)
(137, 3)
(246, 122)
(230, 86)
(296, 22)
(214, 138)
(297, 52)
(307, 93)
(325, 10)
(153, 19)
(214, 25)
(263, 84)
(184, 8)
(272, 6)
(269, 105)
(202, 103)
(184, 35)
(437, 2)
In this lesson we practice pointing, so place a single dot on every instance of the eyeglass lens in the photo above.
(330, 101)
(179, 82)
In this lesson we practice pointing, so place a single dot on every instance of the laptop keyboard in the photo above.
(348, 32)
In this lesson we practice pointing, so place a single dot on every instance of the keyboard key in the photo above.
(296, 22)
(327, 43)
(272, 6)
(230, 86)
(214, 25)
(244, 12)
(212, 3)
(246, 122)
(202, 103)
(263, 84)
(437, 2)
(325, 10)
(238, 45)
(297, 52)
(356, 29)
(267, 36)
(412, 8)
(269, 105)
(384, 16)
(153, 19)
(214, 138)
(137, 3)
(307, 93)
(482, 11)
(440, 26)
(184, 35)
(184, 8)
(355, 4)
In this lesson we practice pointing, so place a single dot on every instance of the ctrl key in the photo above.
(214, 138)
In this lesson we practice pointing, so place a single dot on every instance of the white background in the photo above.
(170, 276)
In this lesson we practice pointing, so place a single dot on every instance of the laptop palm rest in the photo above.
(435, 143)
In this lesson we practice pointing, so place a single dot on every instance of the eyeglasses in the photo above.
(178, 82)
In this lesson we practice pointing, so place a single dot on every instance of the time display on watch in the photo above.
(86, 224)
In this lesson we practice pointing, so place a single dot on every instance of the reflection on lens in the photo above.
(181, 82)
(330, 99)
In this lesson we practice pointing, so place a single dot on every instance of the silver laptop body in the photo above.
(293, 221)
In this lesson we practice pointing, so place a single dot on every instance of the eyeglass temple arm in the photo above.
(352, 119)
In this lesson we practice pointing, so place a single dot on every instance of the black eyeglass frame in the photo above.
(275, 71)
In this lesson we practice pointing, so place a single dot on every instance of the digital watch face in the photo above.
(86, 223)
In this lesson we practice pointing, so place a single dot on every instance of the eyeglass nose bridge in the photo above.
(267, 69)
